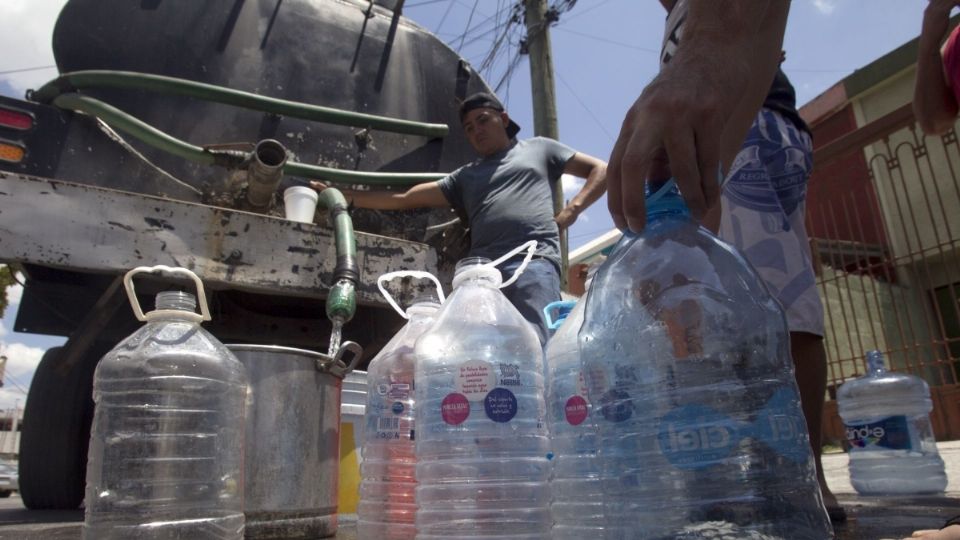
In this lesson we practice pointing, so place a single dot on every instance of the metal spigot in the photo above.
(341, 302)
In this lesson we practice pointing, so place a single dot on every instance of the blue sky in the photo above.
(605, 51)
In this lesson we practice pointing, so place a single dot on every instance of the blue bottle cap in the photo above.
(664, 199)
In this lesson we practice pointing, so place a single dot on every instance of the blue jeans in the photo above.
(537, 286)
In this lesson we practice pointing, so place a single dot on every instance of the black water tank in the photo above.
(336, 53)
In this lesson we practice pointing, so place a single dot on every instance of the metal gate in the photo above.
(883, 215)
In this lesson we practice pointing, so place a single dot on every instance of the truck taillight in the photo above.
(11, 152)
(15, 119)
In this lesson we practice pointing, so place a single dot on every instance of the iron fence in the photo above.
(884, 220)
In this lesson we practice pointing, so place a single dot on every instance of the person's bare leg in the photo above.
(810, 363)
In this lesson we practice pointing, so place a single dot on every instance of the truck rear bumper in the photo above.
(85, 228)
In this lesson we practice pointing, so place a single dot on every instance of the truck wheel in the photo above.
(55, 433)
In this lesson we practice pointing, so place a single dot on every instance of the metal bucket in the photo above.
(292, 441)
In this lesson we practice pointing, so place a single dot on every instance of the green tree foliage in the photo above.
(6, 280)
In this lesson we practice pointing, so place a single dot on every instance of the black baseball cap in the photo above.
(483, 100)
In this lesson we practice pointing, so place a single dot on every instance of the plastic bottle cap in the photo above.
(422, 307)
(175, 305)
(478, 272)
(665, 199)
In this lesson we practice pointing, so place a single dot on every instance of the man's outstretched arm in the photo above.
(426, 195)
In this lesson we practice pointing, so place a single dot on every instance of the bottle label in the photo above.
(395, 390)
(891, 433)
(393, 428)
(509, 374)
(454, 409)
(389, 416)
(575, 410)
(781, 426)
(500, 405)
(697, 436)
(475, 379)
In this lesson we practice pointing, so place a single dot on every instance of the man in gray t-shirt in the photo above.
(506, 198)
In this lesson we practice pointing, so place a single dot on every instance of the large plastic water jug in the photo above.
(388, 504)
(575, 482)
(482, 440)
(687, 361)
(887, 419)
(166, 446)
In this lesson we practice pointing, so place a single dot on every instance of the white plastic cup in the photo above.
(300, 203)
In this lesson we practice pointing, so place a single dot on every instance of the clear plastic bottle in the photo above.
(166, 446)
(388, 507)
(887, 419)
(575, 483)
(687, 361)
(482, 442)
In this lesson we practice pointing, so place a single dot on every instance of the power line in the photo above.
(9, 378)
(478, 37)
(444, 18)
(508, 74)
(584, 105)
(610, 41)
(469, 20)
(490, 59)
(470, 30)
(23, 70)
(588, 10)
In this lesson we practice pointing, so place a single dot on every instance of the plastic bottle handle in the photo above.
(531, 247)
(417, 274)
(548, 312)
(132, 295)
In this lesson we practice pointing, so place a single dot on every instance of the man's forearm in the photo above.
(933, 104)
(592, 190)
(748, 35)
(374, 200)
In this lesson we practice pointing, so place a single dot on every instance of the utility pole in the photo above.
(3, 364)
(544, 97)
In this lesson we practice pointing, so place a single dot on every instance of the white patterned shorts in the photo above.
(764, 203)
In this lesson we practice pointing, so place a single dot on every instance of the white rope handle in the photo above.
(132, 295)
(531, 247)
(416, 274)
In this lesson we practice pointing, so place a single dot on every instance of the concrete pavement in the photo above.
(870, 518)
